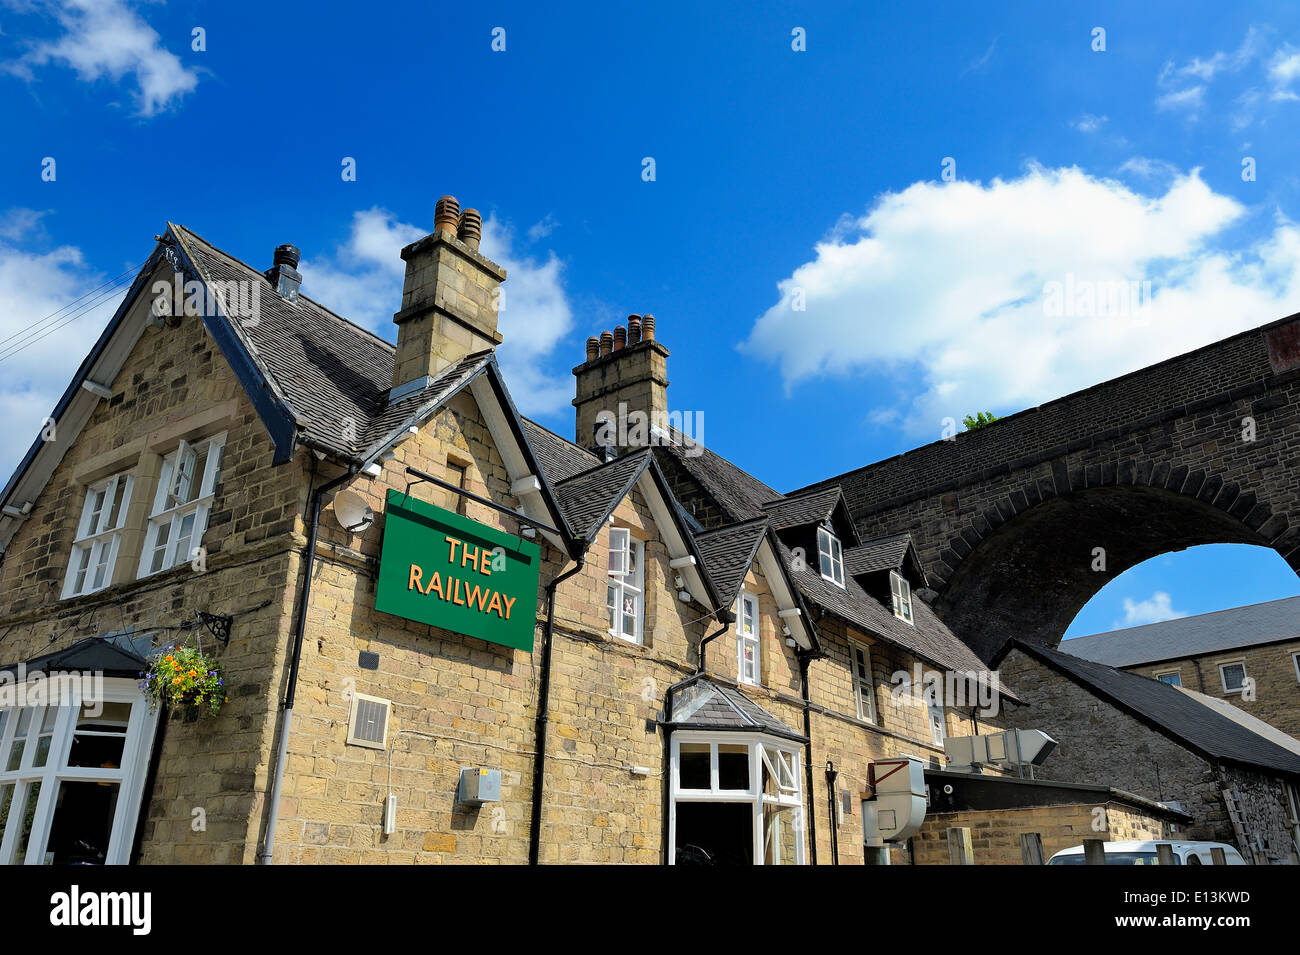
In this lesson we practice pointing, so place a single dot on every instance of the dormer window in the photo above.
(901, 591)
(830, 556)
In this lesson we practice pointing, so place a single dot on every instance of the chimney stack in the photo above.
(283, 273)
(449, 299)
(625, 366)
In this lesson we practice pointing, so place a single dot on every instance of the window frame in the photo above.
(1177, 674)
(938, 718)
(130, 776)
(833, 554)
(859, 683)
(1224, 679)
(745, 638)
(900, 594)
(101, 544)
(618, 581)
(173, 516)
(1295, 662)
(763, 750)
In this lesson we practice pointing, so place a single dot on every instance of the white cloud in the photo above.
(363, 282)
(540, 230)
(107, 39)
(942, 287)
(1089, 123)
(1190, 99)
(1154, 609)
(1283, 71)
(35, 367)
(1149, 168)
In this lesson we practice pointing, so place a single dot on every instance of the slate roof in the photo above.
(882, 553)
(559, 458)
(739, 494)
(1178, 715)
(728, 552)
(811, 508)
(332, 374)
(92, 654)
(1232, 629)
(700, 704)
(587, 499)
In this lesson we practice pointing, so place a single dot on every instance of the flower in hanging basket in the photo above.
(183, 677)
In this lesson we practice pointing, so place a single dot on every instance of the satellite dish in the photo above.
(352, 512)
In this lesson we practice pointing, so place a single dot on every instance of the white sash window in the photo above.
(94, 552)
(901, 592)
(748, 667)
(181, 505)
(625, 591)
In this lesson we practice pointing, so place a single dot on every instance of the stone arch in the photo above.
(1024, 567)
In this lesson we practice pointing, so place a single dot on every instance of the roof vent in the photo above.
(283, 274)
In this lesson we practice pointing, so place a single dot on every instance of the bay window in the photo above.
(181, 505)
(625, 588)
(748, 667)
(736, 800)
(98, 536)
(72, 775)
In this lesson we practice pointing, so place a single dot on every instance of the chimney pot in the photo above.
(633, 329)
(606, 343)
(647, 328)
(446, 215)
(470, 229)
(593, 348)
(620, 337)
(286, 255)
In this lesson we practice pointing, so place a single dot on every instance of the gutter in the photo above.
(299, 628)
(543, 701)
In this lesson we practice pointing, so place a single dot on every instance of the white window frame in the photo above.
(1223, 677)
(864, 688)
(900, 593)
(747, 639)
(938, 720)
(829, 552)
(130, 776)
(1295, 662)
(1177, 674)
(166, 513)
(619, 585)
(97, 542)
(783, 760)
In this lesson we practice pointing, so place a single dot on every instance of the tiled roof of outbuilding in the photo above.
(1270, 622)
(1177, 714)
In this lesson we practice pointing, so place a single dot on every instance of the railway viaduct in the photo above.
(1021, 522)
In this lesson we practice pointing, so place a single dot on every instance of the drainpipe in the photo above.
(712, 636)
(543, 700)
(299, 628)
(804, 660)
(831, 776)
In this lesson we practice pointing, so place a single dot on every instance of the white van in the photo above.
(1144, 853)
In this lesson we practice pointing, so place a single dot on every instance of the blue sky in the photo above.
(777, 174)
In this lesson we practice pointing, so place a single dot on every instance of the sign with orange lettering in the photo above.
(443, 569)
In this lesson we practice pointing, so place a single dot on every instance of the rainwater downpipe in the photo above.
(804, 660)
(831, 776)
(299, 628)
(543, 700)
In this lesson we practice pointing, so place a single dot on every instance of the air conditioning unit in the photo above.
(898, 807)
(1009, 748)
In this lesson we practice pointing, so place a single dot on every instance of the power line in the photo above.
(35, 333)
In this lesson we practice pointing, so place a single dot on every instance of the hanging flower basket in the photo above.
(185, 679)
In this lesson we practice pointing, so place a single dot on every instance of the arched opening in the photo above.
(1186, 583)
(1030, 576)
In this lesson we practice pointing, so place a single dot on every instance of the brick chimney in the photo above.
(449, 299)
(624, 366)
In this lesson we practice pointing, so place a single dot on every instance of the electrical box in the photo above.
(478, 786)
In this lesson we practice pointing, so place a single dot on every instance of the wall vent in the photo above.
(368, 724)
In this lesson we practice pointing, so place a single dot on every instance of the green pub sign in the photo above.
(443, 569)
